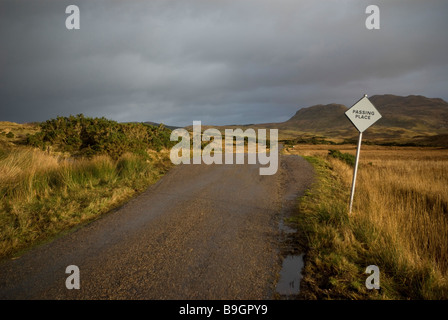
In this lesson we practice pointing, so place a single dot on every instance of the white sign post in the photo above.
(362, 114)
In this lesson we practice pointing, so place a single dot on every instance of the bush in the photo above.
(10, 135)
(86, 136)
(346, 157)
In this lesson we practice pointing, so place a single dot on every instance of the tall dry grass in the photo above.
(407, 199)
(44, 194)
(400, 215)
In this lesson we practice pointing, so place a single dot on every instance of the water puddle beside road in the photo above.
(291, 244)
(288, 285)
(285, 229)
(290, 275)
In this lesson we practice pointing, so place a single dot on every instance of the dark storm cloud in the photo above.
(221, 62)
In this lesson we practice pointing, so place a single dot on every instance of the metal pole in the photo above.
(355, 171)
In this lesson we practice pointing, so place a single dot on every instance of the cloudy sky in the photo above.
(218, 61)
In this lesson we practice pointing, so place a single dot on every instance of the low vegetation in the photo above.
(399, 223)
(68, 171)
(86, 136)
(71, 170)
(346, 157)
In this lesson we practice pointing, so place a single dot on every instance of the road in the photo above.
(201, 232)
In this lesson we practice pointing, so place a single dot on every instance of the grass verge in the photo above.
(407, 250)
(43, 195)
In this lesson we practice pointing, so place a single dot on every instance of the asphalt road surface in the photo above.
(202, 232)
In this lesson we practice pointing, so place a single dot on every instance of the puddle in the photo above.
(290, 275)
(288, 285)
(284, 228)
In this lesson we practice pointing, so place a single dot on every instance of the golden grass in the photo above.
(25, 162)
(402, 192)
(408, 200)
(43, 194)
(20, 131)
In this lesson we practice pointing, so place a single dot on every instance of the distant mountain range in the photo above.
(405, 120)
(411, 119)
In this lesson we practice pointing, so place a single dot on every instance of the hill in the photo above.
(158, 124)
(413, 119)
(416, 113)
(405, 120)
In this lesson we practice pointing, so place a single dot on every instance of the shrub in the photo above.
(346, 157)
(80, 135)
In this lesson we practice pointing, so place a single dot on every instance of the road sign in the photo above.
(363, 114)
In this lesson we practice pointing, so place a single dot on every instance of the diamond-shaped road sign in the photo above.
(363, 114)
